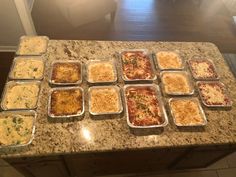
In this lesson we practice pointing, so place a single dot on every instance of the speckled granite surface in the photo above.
(97, 135)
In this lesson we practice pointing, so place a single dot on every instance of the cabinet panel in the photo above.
(201, 158)
(108, 163)
(42, 168)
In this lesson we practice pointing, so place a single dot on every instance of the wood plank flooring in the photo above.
(153, 20)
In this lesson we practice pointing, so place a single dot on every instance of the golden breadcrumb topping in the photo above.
(104, 100)
(186, 112)
(176, 83)
(169, 60)
(101, 72)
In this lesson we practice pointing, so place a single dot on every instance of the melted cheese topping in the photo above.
(186, 112)
(176, 83)
(136, 65)
(66, 102)
(213, 94)
(32, 45)
(203, 69)
(15, 129)
(168, 60)
(66, 73)
(26, 68)
(21, 96)
(101, 72)
(143, 107)
(104, 100)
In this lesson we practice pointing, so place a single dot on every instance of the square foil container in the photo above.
(167, 69)
(224, 91)
(202, 78)
(178, 93)
(199, 106)
(145, 51)
(22, 38)
(105, 113)
(21, 112)
(160, 102)
(13, 83)
(90, 81)
(51, 81)
(65, 116)
(11, 76)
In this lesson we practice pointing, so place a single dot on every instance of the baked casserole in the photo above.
(66, 102)
(176, 83)
(169, 60)
(66, 72)
(104, 100)
(187, 112)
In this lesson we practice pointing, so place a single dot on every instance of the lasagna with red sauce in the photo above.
(213, 94)
(143, 106)
(202, 69)
(136, 65)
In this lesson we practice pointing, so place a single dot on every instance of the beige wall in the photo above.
(231, 6)
(10, 25)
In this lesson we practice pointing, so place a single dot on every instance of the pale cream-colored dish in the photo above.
(20, 95)
(27, 68)
(32, 45)
(104, 100)
(187, 112)
(16, 128)
(101, 71)
(169, 60)
(176, 83)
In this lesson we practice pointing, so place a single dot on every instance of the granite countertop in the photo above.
(112, 133)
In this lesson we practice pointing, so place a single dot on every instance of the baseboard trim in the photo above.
(8, 48)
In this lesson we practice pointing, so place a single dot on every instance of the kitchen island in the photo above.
(96, 146)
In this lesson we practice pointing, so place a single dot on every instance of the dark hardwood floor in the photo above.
(153, 20)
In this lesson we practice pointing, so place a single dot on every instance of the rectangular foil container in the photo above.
(11, 77)
(160, 102)
(50, 80)
(158, 67)
(179, 93)
(151, 61)
(105, 113)
(32, 54)
(22, 112)
(12, 83)
(214, 106)
(65, 116)
(204, 79)
(199, 106)
(101, 61)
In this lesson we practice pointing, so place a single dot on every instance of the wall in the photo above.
(231, 6)
(10, 25)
